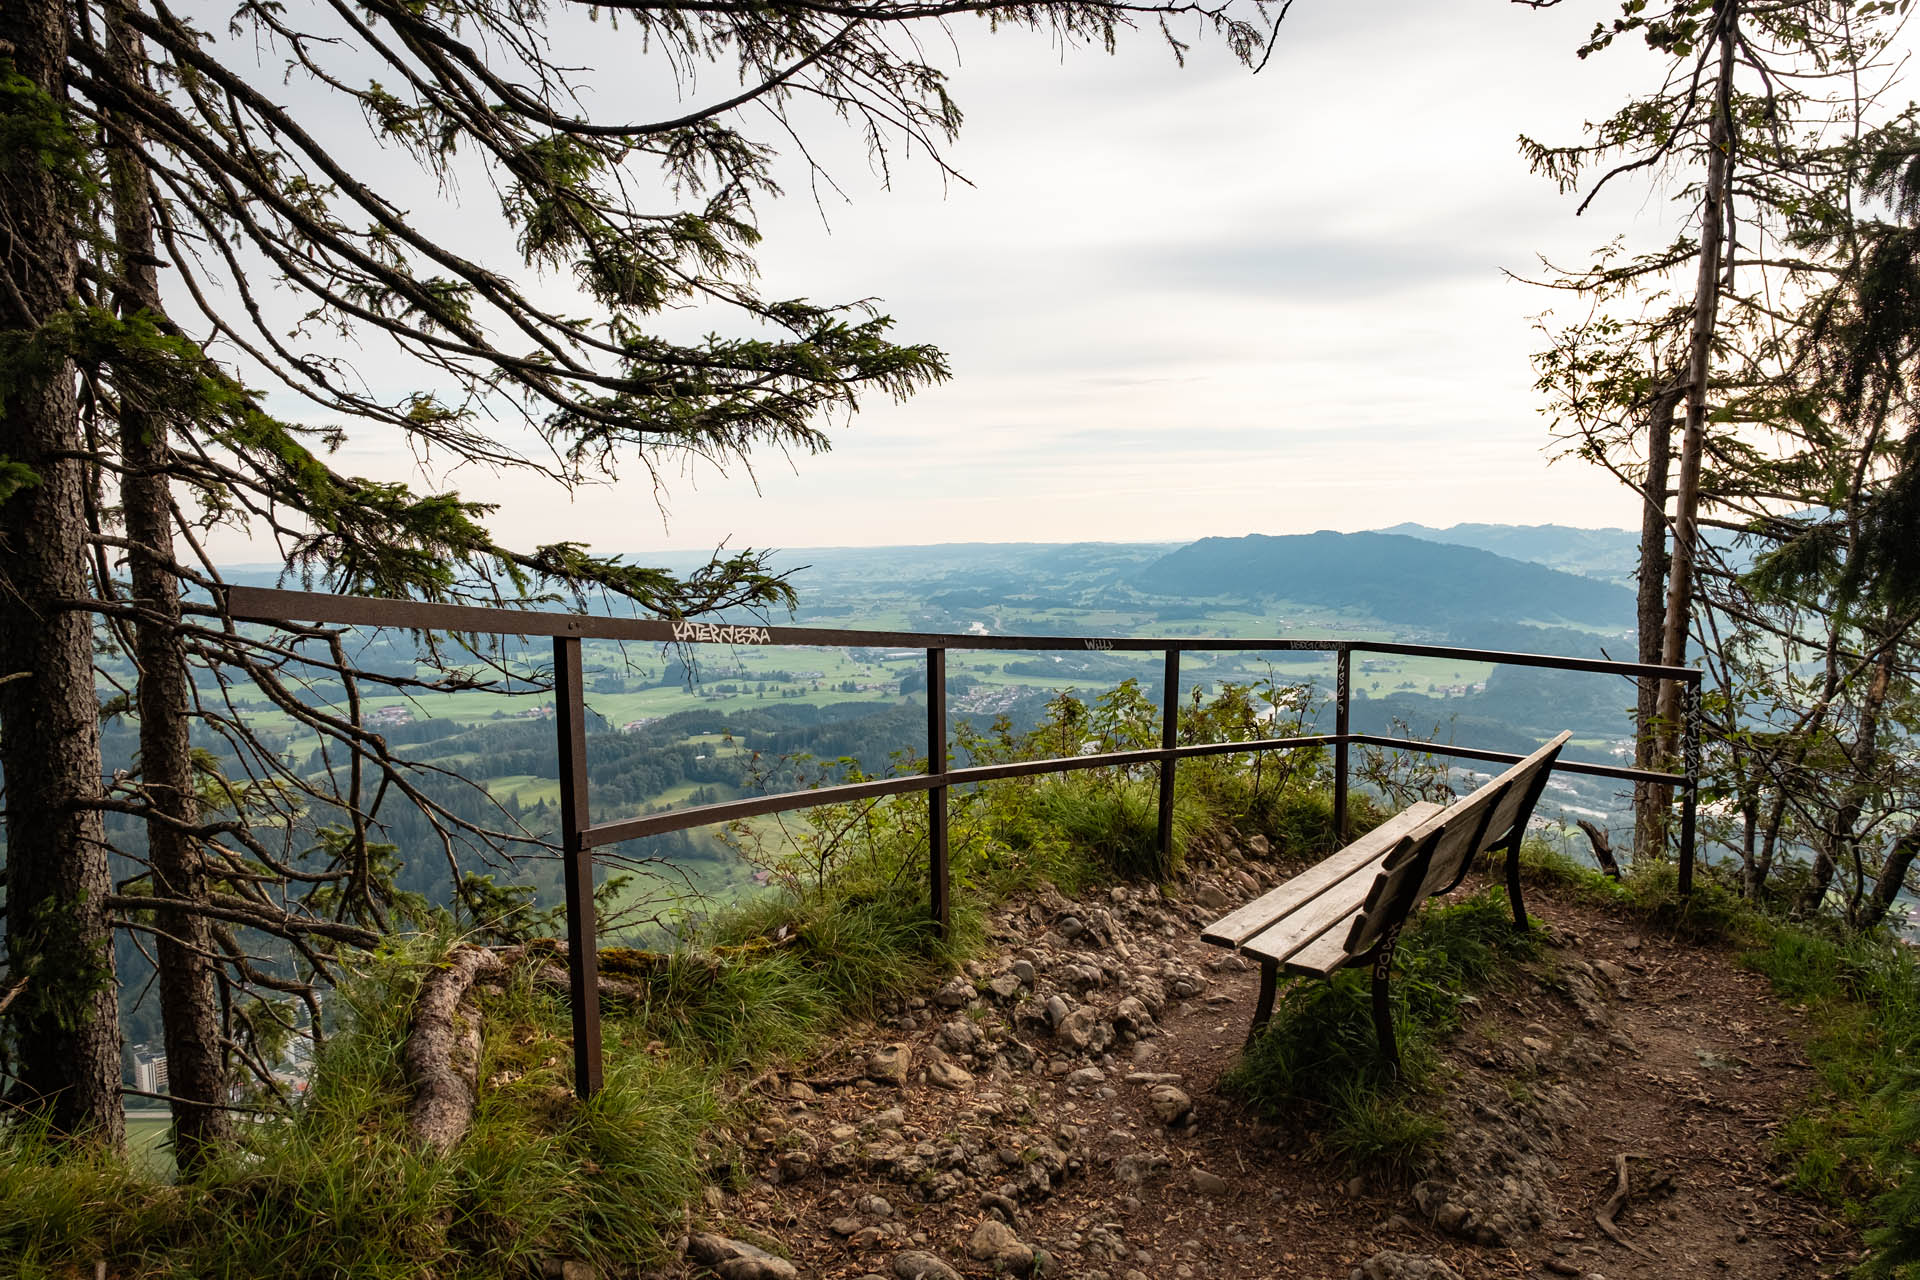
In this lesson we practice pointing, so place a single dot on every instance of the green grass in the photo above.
(339, 1189)
(1855, 1143)
(1117, 822)
(1318, 1059)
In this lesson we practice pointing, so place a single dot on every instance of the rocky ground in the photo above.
(1057, 1110)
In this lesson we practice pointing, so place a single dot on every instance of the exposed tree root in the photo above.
(442, 1053)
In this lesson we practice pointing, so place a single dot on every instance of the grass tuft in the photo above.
(1117, 823)
(1318, 1057)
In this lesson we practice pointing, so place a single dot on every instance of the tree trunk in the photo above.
(1769, 841)
(1602, 848)
(1843, 838)
(59, 939)
(1716, 198)
(1651, 801)
(1893, 877)
(189, 1012)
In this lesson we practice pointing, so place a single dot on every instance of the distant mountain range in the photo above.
(1390, 576)
(1612, 555)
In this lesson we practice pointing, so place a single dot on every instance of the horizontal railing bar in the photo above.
(606, 833)
(601, 834)
(1146, 755)
(265, 604)
(1503, 656)
(1508, 757)
(268, 604)
(654, 824)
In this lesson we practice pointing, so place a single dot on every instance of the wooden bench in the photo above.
(1350, 907)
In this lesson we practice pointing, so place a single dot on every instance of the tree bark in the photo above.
(1602, 848)
(1893, 877)
(1842, 839)
(189, 1011)
(442, 1053)
(1769, 841)
(1716, 198)
(1650, 800)
(66, 1024)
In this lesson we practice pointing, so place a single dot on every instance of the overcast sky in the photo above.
(1178, 302)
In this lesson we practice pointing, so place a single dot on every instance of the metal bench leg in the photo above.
(1269, 980)
(1513, 883)
(1382, 1006)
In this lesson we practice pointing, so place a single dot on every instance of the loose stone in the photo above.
(890, 1064)
(917, 1264)
(994, 1242)
(1209, 1184)
(1169, 1103)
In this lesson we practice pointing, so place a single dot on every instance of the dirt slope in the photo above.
(1068, 1090)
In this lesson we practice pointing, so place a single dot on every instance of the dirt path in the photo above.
(1631, 1044)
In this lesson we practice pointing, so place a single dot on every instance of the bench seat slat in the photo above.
(1314, 921)
(1234, 928)
(1325, 953)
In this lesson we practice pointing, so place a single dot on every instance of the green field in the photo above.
(149, 1140)
(631, 684)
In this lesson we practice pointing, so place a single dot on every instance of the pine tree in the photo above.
(164, 196)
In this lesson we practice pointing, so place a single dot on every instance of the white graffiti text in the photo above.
(721, 633)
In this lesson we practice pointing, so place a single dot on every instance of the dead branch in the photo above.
(1602, 849)
(1603, 1216)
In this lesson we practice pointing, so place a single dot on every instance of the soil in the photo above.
(1669, 1053)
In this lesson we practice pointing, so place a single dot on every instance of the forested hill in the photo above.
(1608, 554)
(1391, 577)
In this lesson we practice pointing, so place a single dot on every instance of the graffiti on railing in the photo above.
(721, 633)
(1100, 646)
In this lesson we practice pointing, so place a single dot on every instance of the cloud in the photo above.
(1293, 267)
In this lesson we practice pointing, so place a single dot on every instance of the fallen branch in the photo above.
(12, 992)
(1602, 849)
(1604, 1216)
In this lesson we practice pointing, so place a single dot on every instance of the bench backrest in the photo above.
(1432, 857)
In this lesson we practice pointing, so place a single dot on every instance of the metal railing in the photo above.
(580, 835)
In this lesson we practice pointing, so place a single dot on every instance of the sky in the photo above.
(1178, 302)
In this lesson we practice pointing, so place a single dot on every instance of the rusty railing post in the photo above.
(937, 796)
(1342, 703)
(583, 944)
(1690, 810)
(1169, 730)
